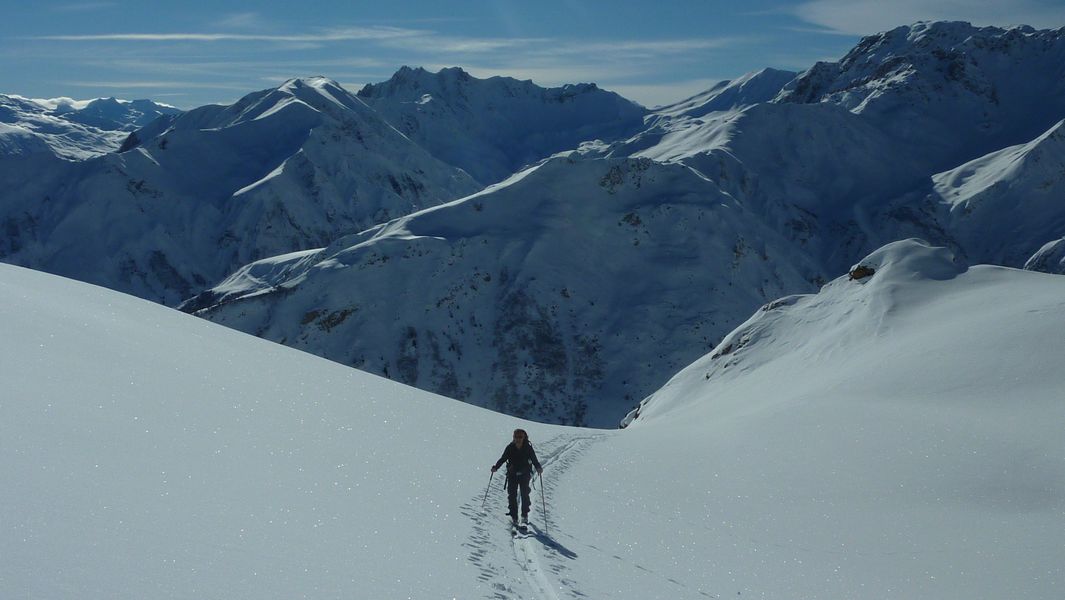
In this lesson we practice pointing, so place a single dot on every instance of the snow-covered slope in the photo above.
(896, 436)
(893, 436)
(566, 293)
(150, 454)
(193, 197)
(496, 126)
(72, 129)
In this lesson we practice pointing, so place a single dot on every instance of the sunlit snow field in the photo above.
(896, 437)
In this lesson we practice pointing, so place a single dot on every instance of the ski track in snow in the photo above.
(536, 565)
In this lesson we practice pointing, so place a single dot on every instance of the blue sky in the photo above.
(195, 52)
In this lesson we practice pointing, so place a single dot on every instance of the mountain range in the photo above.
(69, 128)
(613, 244)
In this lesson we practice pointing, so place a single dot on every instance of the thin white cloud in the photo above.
(328, 35)
(244, 20)
(82, 6)
(615, 64)
(679, 46)
(461, 45)
(863, 17)
(555, 47)
(180, 66)
(820, 30)
(429, 42)
(154, 85)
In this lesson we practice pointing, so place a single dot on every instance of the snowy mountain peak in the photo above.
(115, 114)
(940, 38)
(951, 89)
(318, 84)
(950, 51)
(752, 88)
(494, 127)
(72, 129)
(64, 105)
(411, 79)
(454, 81)
(300, 103)
(321, 94)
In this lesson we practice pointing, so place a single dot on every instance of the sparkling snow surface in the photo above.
(897, 436)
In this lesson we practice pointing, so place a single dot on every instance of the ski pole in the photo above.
(542, 499)
(488, 488)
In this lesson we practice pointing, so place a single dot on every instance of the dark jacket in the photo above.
(518, 459)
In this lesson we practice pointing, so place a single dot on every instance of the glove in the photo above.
(539, 470)
(494, 468)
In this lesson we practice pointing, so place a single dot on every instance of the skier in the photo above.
(518, 455)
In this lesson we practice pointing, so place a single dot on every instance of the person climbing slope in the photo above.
(521, 459)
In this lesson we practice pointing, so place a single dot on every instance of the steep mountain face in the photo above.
(953, 90)
(193, 197)
(563, 294)
(493, 127)
(1006, 205)
(71, 129)
(1048, 259)
(816, 174)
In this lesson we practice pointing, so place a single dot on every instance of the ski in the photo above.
(519, 530)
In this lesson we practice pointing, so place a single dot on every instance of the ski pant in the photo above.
(515, 481)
